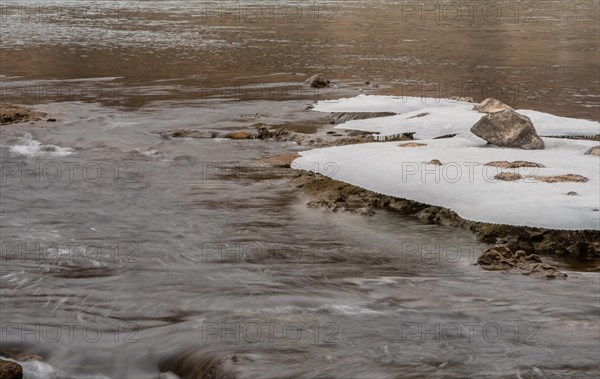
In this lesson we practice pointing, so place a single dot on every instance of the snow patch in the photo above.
(443, 116)
(463, 182)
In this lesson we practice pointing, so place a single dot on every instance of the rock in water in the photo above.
(507, 128)
(593, 151)
(501, 258)
(12, 114)
(10, 370)
(490, 105)
(318, 81)
(239, 135)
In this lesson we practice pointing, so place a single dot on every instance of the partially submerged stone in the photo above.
(490, 105)
(507, 128)
(284, 160)
(501, 258)
(318, 81)
(436, 162)
(239, 135)
(188, 133)
(12, 114)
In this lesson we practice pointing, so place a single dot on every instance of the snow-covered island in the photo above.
(554, 185)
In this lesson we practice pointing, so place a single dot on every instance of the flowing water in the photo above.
(125, 255)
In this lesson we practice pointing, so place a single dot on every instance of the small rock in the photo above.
(318, 81)
(423, 114)
(51, 119)
(427, 215)
(365, 211)
(413, 144)
(515, 164)
(490, 105)
(507, 128)
(263, 131)
(445, 136)
(187, 133)
(341, 117)
(561, 178)
(593, 151)
(572, 193)
(10, 370)
(508, 176)
(239, 135)
(397, 137)
(448, 217)
(435, 162)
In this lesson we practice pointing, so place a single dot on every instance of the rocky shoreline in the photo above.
(336, 196)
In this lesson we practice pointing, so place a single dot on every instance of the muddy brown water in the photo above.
(125, 255)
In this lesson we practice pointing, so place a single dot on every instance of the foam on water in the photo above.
(28, 146)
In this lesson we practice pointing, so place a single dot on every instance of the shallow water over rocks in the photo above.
(125, 254)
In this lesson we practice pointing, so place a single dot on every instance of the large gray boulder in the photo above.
(507, 128)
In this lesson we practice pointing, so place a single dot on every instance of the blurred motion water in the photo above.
(125, 254)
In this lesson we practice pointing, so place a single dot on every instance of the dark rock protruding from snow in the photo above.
(507, 128)
(318, 81)
(341, 117)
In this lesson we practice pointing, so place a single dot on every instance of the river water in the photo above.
(125, 255)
